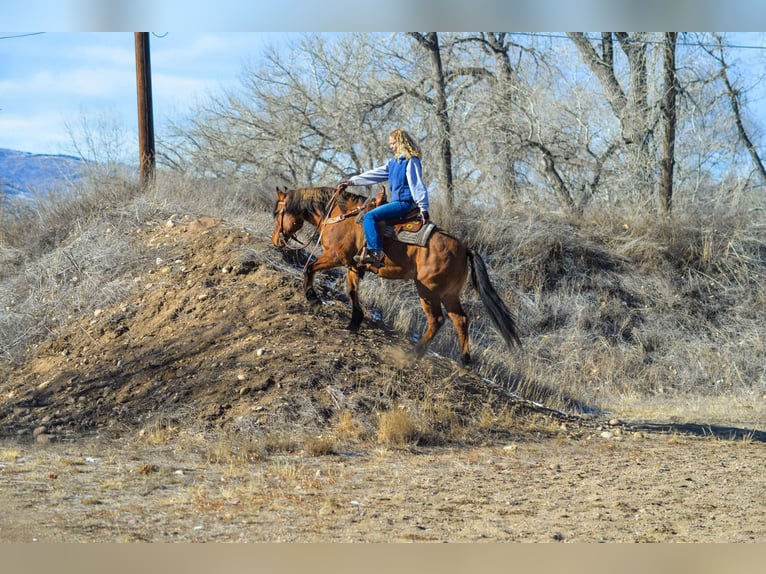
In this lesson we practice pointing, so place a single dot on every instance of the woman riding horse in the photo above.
(405, 176)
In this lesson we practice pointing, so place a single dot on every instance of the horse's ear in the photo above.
(280, 195)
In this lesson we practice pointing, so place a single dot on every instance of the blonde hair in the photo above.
(404, 143)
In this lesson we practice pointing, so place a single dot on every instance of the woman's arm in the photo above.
(375, 175)
(415, 181)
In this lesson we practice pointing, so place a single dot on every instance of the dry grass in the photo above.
(9, 454)
(397, 428)
(348, 428)
(320, 446)
(71, 254)
(616, 309)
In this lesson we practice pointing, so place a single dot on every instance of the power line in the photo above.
(651, 42)
(528, 34)
(21, 35)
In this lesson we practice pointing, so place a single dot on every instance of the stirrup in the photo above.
(367, 258)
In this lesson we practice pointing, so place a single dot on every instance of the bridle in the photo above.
(281, 205)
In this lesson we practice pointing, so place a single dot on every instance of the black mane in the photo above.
(307, 201)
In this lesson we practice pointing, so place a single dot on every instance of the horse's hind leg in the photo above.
(352, 280)
(460, 321)
(432, 306)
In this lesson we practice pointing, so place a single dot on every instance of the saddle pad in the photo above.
(417, 234)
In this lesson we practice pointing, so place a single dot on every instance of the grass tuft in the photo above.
(396, 428)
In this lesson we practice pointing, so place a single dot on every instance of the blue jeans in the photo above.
(392, 210)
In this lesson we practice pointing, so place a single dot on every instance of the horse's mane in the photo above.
(306, 201)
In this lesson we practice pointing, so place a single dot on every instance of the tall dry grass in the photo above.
(627, 313)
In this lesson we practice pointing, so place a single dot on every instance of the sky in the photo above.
(51, 82)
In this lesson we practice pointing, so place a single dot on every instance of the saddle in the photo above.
(408, 229)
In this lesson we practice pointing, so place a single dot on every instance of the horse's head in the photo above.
(286, 224)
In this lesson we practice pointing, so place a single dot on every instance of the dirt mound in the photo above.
(218, 333)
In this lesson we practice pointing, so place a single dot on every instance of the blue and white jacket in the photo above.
(405, 178)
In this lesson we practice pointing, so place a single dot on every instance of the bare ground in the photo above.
(213, 404)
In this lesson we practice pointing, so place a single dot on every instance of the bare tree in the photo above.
(430, 42)
(630, 106)
(517, 118)
(305, 116)
(734, 98)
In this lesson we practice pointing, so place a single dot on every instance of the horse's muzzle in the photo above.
(279, 240)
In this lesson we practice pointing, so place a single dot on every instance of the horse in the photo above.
(439, 269)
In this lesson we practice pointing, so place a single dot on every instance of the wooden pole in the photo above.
(145, 115)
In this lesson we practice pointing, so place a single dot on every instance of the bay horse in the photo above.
(439, 269)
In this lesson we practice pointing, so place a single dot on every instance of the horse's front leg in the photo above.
(308, 285)
(324, 261)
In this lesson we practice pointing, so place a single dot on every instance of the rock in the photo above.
(44, 438)
(42, 429)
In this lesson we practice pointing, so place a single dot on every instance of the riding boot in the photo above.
(372, 257)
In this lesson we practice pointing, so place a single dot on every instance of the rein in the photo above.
(322, 223)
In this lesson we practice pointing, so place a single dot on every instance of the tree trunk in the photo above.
(503, 88)
(431, 43)
(669, 123)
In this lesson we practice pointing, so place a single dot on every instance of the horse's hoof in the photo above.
(312, 297)
(465, 360)
(353, 327)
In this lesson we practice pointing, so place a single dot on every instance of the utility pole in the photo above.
(145, 116)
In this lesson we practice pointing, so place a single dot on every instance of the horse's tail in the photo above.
(501, 317)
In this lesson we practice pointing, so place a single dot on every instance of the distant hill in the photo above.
(23, 173)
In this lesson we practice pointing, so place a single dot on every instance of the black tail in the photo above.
(501, 317)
